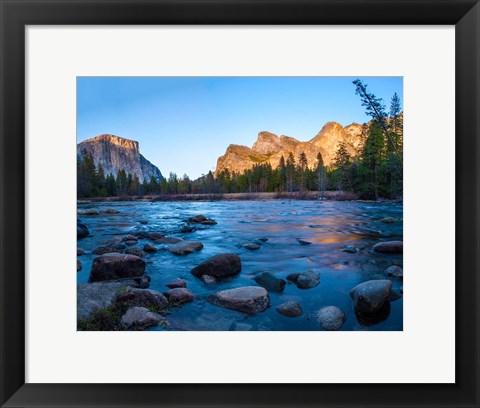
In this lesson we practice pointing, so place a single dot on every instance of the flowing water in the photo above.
(328, 225)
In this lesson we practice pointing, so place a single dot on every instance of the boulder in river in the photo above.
(129, 238)
(88, 212)
(116, 266)
(308, 279)
(331, 317)
(143, 222)
(167, 240)
(109, 211)
(201, 219)
(150, 248)
(185, 247)
(139, 318)
(389, 247)
(208, 280)
(80, 252)
(270, 282)
(219, 266)
(303, 242)
(246, 299)
(290, 309)
(82, 230)
(395, 271)
(179, 295)
(135, 250)
(142, 297)
(292, 277)
(106, 250)
(177, 283)
(370, 296)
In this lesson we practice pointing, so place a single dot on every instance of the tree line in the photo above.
(374, 171)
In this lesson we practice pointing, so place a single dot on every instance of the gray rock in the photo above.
(142, 297)
(130, 243)
(143, 222)
(110, 211)
(303, 242)
(207, 279)
(370, 296)
(82, 230)
(219, 266)
(389, 247)
(247, 299)
(394, 270)
(135, 250)
(179, 295)
(150, 248)
(270, 282)
(308, 279)
(129, 238)
(79, 265)
(99, 295)
(139, 318)
(201, 219)
(116, 266)
(290, 309)
(177, 283)
(331, 317)
(185, 247)
(252, 246)
(350, 249)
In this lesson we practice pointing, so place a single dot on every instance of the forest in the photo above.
(375, 170)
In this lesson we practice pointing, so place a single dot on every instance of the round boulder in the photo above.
(185, 247)
(135, 250)
(370, 296)
(290, 309)
(395, 271)
(82, 230)
(270, 282)
(308, 279)
(139, 318)
(331, 317)
(201, 219)
(389, 247)
(142, 297)
(179, 295)
(177, 283)
(247, 299)
(116, 266)
(150, 248)
(219, 266)
(252, 246)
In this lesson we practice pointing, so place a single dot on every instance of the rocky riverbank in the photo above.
(126, 273)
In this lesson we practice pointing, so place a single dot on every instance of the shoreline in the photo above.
(307, 195)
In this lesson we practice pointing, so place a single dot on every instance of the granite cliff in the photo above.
(114, 153)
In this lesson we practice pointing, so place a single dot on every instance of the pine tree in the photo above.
(373, 159)
(290, 170)
(303, 165)
(321, 174)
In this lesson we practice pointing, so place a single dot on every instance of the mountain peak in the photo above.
(115, 153)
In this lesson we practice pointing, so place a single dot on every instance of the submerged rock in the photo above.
(370, 296)
(251, 245)
(350, 249)
(168, 240)
(135, 250)
(201, 219)
(293, 277)
(150, 248)
(143, 222)
(270, 282)
(177, 283)
(79, 265)
(88, 212)
(219, 266)
(139, 318)
(114, 266)
(290, 309)
(209, 280)
(247, 299)
(179, 295)
(308, 279)
(110, 211)
(82, 230)
(185, 247)
(303, 242)
(394, 270)
(389, 247)
(331, 317)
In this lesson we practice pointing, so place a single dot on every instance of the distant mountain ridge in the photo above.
(269, 148)
(115, 153)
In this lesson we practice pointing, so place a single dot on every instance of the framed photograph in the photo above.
(244, 178)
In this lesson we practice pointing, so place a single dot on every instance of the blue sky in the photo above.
(183, 124)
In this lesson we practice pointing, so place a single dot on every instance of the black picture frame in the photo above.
(17, 14)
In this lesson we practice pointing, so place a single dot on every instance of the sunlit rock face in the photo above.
(269, 148)
(114, 153)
